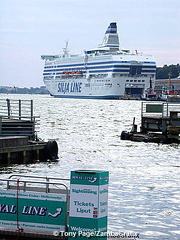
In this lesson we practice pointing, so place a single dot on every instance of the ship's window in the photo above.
(143, 80)
(131, 80)
(139, 80)
(134, 70)
(127, 80)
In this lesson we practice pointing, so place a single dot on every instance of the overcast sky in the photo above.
(30, 28)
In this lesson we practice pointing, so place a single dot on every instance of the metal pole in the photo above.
(167, 108)
(142, 105)
(0, 125)
(47, 185)
(19, 109)
(8, 107)
(31, 110)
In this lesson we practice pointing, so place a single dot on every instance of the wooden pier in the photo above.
(18, 134)
(160, 122)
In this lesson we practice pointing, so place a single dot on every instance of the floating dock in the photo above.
(18, 134)
(160, 122)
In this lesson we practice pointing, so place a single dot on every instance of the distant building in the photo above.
(163, 83)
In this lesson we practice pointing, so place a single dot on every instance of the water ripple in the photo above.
(144, 177)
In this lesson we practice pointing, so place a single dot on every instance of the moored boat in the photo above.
(107, 72)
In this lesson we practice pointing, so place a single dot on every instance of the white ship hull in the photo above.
(105, 72)
(85, 89)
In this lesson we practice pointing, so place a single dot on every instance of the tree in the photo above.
(163, 72)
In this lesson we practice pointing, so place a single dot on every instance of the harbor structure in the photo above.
(19, 142)
(160, 122)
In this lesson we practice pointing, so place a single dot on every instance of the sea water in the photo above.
(144, 188)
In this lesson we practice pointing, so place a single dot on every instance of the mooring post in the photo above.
(24, 156)
(37, 154)
(8, 158)
(88, 204)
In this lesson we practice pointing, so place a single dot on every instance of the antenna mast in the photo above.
(65, 50)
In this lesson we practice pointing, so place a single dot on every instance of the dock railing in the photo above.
(18, 109)
(32, 180)
(17, 118)
(35, 205)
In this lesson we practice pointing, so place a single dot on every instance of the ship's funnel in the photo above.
(111, 38)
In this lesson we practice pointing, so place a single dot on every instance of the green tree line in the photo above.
(163, 72)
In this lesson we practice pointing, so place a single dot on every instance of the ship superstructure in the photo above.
(104, 72)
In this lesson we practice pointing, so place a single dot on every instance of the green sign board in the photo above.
(88, 203)
(33, 212)
(154, 108)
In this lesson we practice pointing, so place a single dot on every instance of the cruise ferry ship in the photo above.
(106, 72)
